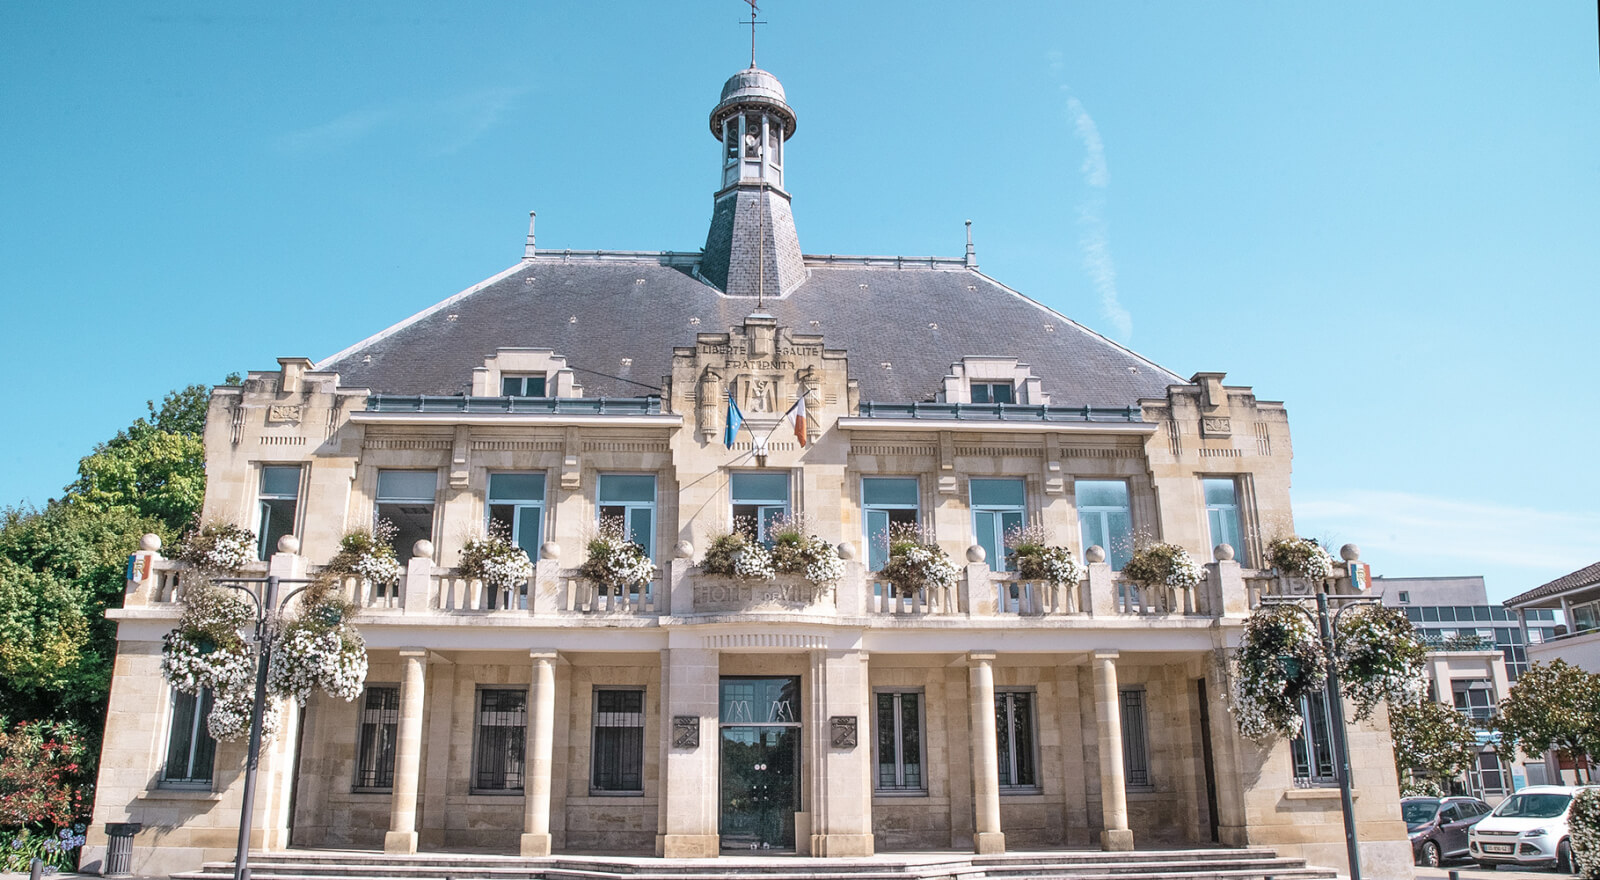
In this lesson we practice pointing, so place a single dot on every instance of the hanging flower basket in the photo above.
(369, 555)
(795, 551)
(496, 561)
(733, 554)
(1160, 564)
(615, 563)
(916, 562)
(1380, 658)
(218, 548)
(230, 715)
(1279, 660)
(1036, 559)
(207, 649)
(1300, 557)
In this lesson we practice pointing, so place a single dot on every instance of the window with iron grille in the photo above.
(500, 743)
(380, 723)
(1135, 744)
(899, 742)
(1313, 747)
(618, 760)
(1013, 719)
(190, 747)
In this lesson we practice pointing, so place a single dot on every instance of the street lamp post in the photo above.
(266, 601)
(1327, 625)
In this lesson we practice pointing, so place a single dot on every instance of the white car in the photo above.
(1527, 828)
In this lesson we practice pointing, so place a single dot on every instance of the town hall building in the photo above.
(706, 714)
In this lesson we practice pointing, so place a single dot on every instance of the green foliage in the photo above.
(1432, 740)
(1552, 706)
(1583, 822)
(43, 630)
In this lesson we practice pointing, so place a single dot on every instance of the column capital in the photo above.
(974, 657)
(415, 652)
(544, 654)
(1107, 654)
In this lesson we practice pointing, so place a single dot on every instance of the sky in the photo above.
(1385, 215)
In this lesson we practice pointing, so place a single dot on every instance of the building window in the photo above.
(631, 498)
(1222, 512)
(1313, 747)
(406, 499)
(996, 512)
(1474, 698)
(1013, 720)
(618, 759)
(516, 505)
(1135, 743)
(1488, 776)
(992, 392)
(885, 503)
(531, 385)
(380, 721)
(899, 743)
(500, 745)
(1105, 519)
(1585, 617)
(279, 497)
(190, 747)
(1405, 599)
(759, 499)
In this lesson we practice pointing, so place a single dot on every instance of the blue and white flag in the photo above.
(732, 423)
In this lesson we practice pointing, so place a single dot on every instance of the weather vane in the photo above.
(753, 24)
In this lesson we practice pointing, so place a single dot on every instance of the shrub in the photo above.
(1160, 564)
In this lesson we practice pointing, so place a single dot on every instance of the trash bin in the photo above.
(119, 848)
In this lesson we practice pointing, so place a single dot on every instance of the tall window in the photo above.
(190, 747)
(500, 745)
(531, 385)
(1313, 747)
(1135, 741)
(380, 721)
(759, 498)
(618, 759)
(279, 496)
(992, 392)
(406, 499)
(899, 742)
(632, 499)
(1222, 511)
(1013, 721)
(1474, 698)
(1105, 519)
(885, 502)
(516, 504)
(996, 511)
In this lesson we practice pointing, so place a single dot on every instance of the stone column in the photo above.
(1113, 785)
(540, 756)
(402, 836)
(985, 755)
(690, 798)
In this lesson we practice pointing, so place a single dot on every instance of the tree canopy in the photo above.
(1556, 706)
(1432, 740)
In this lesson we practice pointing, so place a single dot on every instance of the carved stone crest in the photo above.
(843, 728)
(1216, 426)
(686, 731)
(284, 412)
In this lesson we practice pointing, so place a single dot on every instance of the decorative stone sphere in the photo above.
(1350, 553)
(1223, 552)
(1095, 553)
(150, 542)
(685, 550)
(288, 544)
(976, 553)
(846, 551)
(422, 548)
(549, 550)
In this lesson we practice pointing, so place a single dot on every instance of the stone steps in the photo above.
(1204, 864)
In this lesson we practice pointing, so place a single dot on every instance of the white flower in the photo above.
(753, 561)
(377, 569)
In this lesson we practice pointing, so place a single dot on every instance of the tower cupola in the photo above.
(752, 120)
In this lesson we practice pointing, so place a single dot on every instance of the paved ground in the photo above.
(1469, 870)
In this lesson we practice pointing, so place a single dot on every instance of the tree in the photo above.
(1553, 706)
(1431, 739)
(155, 466)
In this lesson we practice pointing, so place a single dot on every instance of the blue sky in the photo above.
(1384, 214)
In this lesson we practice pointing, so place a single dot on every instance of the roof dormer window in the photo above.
(993, 392)
(522, 385)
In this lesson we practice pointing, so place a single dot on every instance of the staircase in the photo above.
(1199, 864)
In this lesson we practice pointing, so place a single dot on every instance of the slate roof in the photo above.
(903, 323)
(1583, 577)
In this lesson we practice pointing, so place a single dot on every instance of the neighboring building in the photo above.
(1475, 651)
(1576, 597)
(704, 714)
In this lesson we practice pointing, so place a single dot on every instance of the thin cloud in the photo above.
(439, 127)
(336, 133)
(1094, 239)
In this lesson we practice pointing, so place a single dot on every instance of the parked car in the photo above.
(1439, 826)
(1528, 828)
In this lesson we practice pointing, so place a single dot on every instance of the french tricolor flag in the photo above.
(796, 416)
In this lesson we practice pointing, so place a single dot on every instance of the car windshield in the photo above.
(1418, 812)
(1533, 806)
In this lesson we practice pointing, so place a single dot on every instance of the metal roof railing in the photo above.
(602, 406)
(1002, 412)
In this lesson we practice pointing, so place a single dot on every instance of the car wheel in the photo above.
(1430, 856)
(1564, 863)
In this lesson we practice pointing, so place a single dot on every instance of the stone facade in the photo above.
(702, 712)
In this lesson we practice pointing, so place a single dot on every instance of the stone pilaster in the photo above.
(985, 755)
(1113, 783)
(689, 798)
(402, 835)
(841, 792)
(540, 759)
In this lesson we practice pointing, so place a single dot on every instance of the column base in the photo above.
(989, 843)
(688, 846)
(535, 845)
(840, 846)
(400, 842)
(1118, 840)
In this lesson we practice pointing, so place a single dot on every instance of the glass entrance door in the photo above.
(760, 763)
